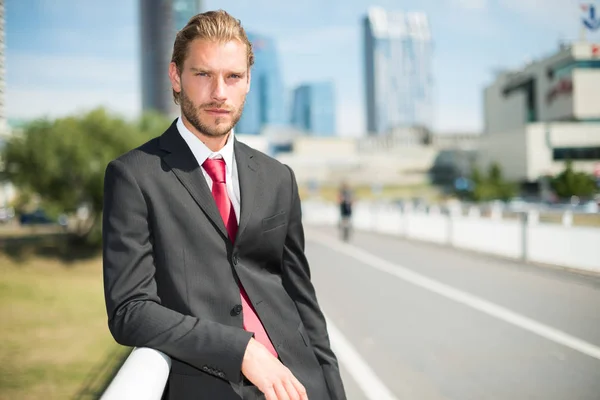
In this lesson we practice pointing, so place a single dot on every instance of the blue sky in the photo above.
(65, 56)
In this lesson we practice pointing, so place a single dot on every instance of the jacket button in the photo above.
(235, 259)
(237, 310)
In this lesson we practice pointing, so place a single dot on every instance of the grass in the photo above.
(589, 220)
(17, 231)
(54, 335)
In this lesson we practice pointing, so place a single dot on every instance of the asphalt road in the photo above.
(410, 320)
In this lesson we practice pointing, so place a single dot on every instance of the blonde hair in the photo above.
(212, 25)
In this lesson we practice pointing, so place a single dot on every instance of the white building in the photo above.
(549, 111)
(389, 160)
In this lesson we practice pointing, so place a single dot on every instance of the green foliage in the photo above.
(491, 187)
(573, 183)
(63, 160)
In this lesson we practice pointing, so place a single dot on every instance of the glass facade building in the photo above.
(398, 70)
(265, 102)
(313, 109)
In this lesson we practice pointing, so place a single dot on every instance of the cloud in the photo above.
(470, 4)
(558, 11)
(29, 103)
(71, 71)
(58, 85)
(314, 41)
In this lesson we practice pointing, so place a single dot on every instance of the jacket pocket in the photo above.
(274, 221)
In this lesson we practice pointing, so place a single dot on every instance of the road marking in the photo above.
(356, 366)
(459, 296)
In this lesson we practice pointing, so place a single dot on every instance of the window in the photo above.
(561, 71)
(576, 153)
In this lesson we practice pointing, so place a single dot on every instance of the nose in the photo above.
(219, 93)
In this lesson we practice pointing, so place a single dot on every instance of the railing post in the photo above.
(567, 218)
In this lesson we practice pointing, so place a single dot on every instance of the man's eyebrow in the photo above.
(200, 69)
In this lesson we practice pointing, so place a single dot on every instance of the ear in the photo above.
(249, 80)
(174, 77)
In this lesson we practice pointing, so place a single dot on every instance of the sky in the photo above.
(69, 56)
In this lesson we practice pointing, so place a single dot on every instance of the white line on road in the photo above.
(363, 375)
(459, 296)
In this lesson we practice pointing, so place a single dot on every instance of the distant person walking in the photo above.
(345, 201)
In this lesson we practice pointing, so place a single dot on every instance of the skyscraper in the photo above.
(265, 103)
(313, 109)
(398, 77)
(159, 22)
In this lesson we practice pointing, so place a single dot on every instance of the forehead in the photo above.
(211, 54)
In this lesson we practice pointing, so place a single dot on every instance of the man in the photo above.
(345, 202)
(204, 245)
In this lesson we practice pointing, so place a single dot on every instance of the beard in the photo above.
(213, 129)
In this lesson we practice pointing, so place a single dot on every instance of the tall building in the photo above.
(159, 22)
(398, 70)
(313, 109)
(265, 103)
(3, 122)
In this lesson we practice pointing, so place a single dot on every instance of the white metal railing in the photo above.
(528, 239)
(143, 376)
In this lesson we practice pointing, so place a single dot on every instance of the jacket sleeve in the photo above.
(135, 315)
(297, 282)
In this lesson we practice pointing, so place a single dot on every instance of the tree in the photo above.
(63, 160)
(573, 183)
(491, 187)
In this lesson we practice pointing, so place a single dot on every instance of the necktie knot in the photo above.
(215, 168)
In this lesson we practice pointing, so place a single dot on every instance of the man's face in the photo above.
(213, 85)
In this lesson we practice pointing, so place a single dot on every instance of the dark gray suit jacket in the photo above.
(171, 273)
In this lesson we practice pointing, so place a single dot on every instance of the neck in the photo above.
(213, 143)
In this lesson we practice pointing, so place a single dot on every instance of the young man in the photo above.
(204, 245)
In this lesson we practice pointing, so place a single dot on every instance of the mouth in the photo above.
(217, 111)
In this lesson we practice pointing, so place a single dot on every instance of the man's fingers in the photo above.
(291, 389)
(281, 391)
(299, 388)
(270, 393)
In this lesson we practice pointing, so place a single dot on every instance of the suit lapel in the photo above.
(184, 165)
(249, 177)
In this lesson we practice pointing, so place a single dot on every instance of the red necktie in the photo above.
(216, 170)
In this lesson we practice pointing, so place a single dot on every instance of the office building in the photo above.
(265, 103)
(398, 70)
(159, 22)
(313, 109)
(545, 113)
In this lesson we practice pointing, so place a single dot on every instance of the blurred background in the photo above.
(466, 131)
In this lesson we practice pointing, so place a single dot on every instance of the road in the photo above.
(411, 320)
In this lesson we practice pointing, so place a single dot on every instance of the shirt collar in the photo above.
(199, 149)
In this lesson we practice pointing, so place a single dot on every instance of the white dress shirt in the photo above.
(201, 152)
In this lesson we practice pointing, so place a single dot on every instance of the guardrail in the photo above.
(143, 376)
(526, 239)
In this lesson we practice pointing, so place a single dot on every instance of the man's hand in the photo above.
(269, 375)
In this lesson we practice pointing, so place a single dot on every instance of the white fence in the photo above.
(527, 239)
(143, 376)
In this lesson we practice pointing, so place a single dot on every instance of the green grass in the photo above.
(54, 335)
